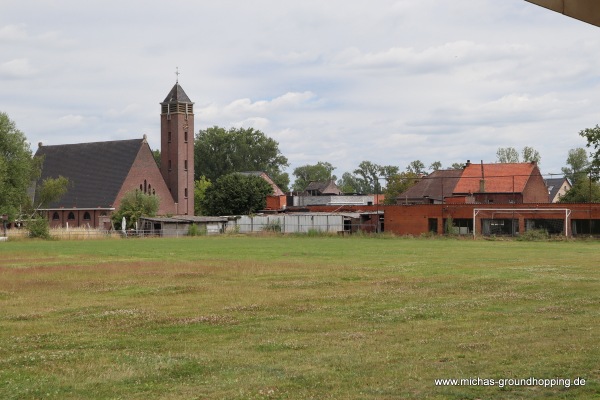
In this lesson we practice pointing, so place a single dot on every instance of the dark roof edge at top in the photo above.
(99, 143)
(177, 95)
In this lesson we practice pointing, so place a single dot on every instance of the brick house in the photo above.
(498, 183)
(502, 183)
(100, 173)
(275, 201)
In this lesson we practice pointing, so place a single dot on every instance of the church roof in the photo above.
(177, 95)
(96, 171)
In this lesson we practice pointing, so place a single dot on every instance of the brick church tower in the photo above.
(177, 148)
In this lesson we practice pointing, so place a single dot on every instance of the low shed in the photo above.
(180, 225)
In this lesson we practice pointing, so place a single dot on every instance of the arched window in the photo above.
(141, 187)
(71, 216)
(55, 216)
(145, 187)
(86, 216)
(149, 188)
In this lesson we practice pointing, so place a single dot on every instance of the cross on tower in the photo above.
(177, 73)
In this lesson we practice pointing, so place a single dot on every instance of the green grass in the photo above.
(296, 318)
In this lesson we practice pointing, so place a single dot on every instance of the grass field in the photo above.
(297, 318)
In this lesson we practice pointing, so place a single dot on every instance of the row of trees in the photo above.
(221, 153)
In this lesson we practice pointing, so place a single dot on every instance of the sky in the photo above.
(388, 81)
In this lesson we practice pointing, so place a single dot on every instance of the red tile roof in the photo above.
(499, 178)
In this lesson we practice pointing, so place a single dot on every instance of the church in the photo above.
(101, 173)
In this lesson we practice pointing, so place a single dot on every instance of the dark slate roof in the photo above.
(96, 171)
(438, 184)
(177, 95)
(554, 185)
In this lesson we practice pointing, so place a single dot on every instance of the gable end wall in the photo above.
(144, 168)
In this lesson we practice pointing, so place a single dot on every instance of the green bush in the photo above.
(195, 230)
(39, 228)
(273, 226)
(534, 235)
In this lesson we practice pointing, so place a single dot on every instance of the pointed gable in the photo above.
(96, 171)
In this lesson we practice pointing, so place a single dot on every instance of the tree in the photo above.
(435, 166)
(583, 191)
(398, 184)
(17, 168)
(236, 194)
(200, 187)
(457, 166)
(578, 164)
(507, 155)
(529, 154)
(511, 155)
(319, 172)
(219, 152)
(416, 167)
(156, 155)
(592, 135)
(134, 205)
(348, 183)
(50, 190)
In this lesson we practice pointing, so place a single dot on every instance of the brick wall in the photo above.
(145, 176)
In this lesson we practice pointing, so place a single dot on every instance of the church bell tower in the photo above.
(177, 148)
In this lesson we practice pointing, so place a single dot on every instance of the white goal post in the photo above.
(505, 211)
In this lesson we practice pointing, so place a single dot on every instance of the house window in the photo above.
(71, 216)
(185, 192)
(169, 137)
(185, 136)
(86, 216)
(169, 165)
(185, 165)
(55, 216)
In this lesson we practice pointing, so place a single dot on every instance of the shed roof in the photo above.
(96, 171)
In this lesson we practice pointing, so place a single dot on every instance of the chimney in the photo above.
(468, 163)
(482, 181)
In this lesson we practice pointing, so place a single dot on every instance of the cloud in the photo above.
(17, 68)
(13, 33)
(70, 121)
(431, 59)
